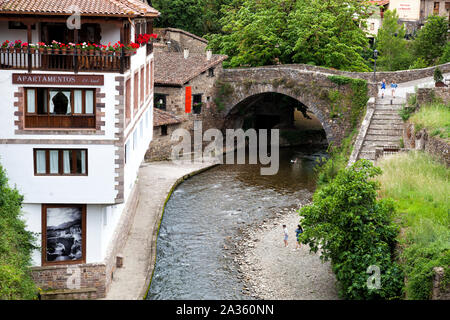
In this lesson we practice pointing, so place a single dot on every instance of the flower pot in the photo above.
(55, 51)
(91, 52)
(18, 50)
(440, 84)
(41, 50)
(63, 51)
(32, 50)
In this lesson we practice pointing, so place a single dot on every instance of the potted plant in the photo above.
(131, 48)
(5, 45)
(17, 45)
(438, 78)
(41, 47)
(55, 46)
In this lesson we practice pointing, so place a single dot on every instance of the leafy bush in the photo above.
(16, 245)
(438, 77)
(354, 230)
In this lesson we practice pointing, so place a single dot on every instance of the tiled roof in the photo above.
(171, 68)
(86, 7)
(379, 2)
(161, 117)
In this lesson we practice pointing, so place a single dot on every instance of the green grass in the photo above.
(435, 117)
(420, 187)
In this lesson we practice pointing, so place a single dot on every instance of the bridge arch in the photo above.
(259, 90)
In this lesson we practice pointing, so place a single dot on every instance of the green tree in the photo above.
(392, 45)
(196, 16)
(263, 32)
(431, 40)
(354, 230)
(16, 245)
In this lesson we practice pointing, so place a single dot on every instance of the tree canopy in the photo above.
(323, 33)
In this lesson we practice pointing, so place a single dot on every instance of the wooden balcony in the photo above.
(94, 61)
(59, 121)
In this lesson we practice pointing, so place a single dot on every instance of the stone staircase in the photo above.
(385, 129)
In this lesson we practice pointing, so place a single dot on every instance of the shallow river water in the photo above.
(208, 210)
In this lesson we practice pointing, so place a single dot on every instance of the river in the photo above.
(208, 210)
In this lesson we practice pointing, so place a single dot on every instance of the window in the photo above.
(14, 25)
(63, 234)
(147, 80)
(136, 91)
(60, 162)
(372, 26)
(197, 103)
(128, 101)
(127, 151)
(142, 86)
(135, 137)
(160, 101)
(211, 72)
(436, 8)
(59, 108)
(164, 130)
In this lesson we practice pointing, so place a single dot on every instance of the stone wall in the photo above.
(398, 76)
(421, 140)
(160, 148)
(427, 95)
(53, 280)
(439, 292)
(180, 40)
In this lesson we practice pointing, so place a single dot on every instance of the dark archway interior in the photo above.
(297, 125)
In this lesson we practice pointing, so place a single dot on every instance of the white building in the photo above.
(74, 129)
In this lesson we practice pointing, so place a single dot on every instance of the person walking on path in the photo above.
(285, 230)
(298, 232)
(393, 87)
(383, 88)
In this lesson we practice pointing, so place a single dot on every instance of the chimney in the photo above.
(186, 53)
(208, 55)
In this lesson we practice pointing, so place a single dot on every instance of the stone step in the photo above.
(383, 122)
(374, 137)
(385, 132)
(386, 112)
(369, 155)
(387, 117)
(387, 126)
(371, 145)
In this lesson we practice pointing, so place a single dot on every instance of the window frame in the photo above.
(60, 162)
(72, 96)
(44, 208)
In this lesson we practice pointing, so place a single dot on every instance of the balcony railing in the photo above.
(60, 121)
(56, 60)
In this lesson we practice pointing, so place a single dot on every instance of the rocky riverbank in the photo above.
(271, 271)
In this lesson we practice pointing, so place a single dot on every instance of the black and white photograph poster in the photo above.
(64, 234)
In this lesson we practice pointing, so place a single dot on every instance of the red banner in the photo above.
(188, 103)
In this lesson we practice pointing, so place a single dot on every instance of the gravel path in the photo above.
(274, 272)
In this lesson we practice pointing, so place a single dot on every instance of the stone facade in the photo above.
(179, 40)
(161, 146)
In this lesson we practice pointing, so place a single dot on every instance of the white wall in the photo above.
(96, 187)
(16, 34)
(408, 10)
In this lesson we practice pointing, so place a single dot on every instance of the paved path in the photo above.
(155, 183)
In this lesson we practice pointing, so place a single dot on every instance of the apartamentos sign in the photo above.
(57, 79)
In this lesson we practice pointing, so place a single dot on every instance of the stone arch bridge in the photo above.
(309, 85)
